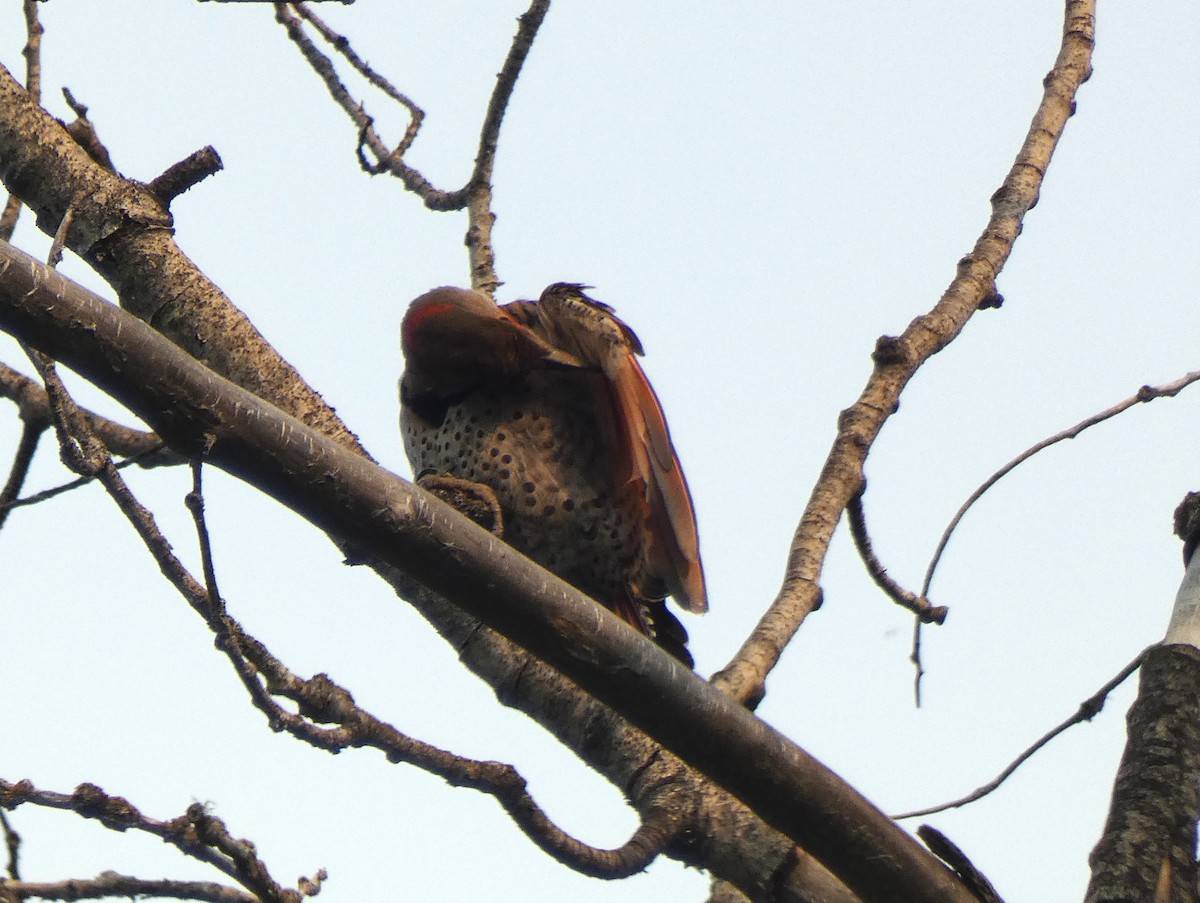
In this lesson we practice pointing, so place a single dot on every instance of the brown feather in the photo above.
(590, 331)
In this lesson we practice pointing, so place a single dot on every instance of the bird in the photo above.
(540, 412)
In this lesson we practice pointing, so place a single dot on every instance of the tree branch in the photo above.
(163, 285)
(1144, 395)
(918, 605)
(476, 194)
(123, 231)
(1088, 709)
(897, 360)
(111, 884)
(33, 406)
(197, 833)
(197, 412)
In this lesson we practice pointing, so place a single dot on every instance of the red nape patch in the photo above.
(417, 318)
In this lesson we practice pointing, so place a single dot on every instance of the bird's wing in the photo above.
(592, 333)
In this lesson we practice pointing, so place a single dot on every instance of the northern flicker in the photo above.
(544, 403)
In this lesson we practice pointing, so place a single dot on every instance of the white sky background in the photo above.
(760, 193)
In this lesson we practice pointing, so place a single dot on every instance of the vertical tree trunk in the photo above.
(1148, 849)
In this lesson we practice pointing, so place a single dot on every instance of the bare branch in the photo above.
(185, 174)
(479, 188)
(47, 494)
(898, 359)
(85, 134)
(1143, 395)
(12, 843)
(1088, 709)
(111, 884)
(319, 699)
(341, 44)
(196, 834)
(31, 435)
(46, 168)
(194, 501)
(476, 194)
(387, 160)
(918, 605)
(34, 406)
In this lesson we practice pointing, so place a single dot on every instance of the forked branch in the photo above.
(476, 194)
(897, 359)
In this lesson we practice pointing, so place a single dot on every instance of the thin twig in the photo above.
(47, 494)
(414, 181)
(476, 194)
(12, 843)
(918, 605)
(1144, 394)
(85, 134)
(194, 501)
(341, 44)
(54, 258)
(110, 884)
(78, 446)
(481, 255)
(31, 435)
(1088, 709)
(914, 656)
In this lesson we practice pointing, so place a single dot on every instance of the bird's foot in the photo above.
(476, 500)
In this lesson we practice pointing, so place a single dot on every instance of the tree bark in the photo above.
(1148, 849)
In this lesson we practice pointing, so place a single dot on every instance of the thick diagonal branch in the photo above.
(355, 501)
(185, 307)
(121, 228)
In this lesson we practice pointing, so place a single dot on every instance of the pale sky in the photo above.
(760, 192)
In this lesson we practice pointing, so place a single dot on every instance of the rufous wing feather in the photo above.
(592, 333)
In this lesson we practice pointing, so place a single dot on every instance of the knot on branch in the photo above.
(112, 811)
(324, 701)
(890, 350)
(992, 300)
(1187, 524)
(12, 795)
